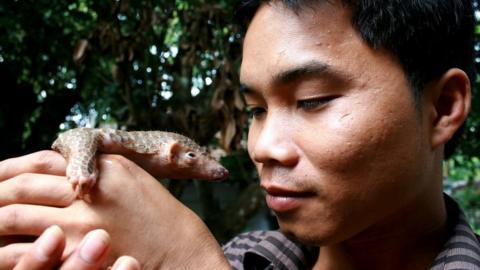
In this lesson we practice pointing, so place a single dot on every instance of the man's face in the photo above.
(335, 135)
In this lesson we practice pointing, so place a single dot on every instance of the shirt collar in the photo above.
(276, 251)
(462, 249)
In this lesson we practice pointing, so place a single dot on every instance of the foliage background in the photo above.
(167, 65)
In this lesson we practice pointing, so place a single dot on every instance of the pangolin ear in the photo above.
(172, 150)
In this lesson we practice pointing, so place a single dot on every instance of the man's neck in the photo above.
(410, 239)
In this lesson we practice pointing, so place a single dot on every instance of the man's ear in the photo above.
(450, 100)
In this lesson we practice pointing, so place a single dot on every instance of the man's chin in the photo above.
(309, 237)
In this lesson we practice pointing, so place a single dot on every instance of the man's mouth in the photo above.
(281, 199)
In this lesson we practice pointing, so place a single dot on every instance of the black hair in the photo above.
(427, 36)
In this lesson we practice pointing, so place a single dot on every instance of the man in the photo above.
(353, 103)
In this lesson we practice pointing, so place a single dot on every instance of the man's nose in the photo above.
(275, 144)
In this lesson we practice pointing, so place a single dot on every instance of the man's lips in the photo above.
(284, 192)
(281, 199)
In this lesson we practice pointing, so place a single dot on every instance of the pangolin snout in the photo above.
(220, 174)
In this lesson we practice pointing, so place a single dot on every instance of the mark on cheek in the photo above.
(345, 115)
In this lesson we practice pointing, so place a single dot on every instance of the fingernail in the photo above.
(121, 265)
(48, 242)
(125, 264)
(94, 246)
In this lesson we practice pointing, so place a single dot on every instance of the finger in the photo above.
(29, 188)
(46, 252)
(126, 263)
(10, 255)
(41, 189)
(47, 162)
(91, 253)
(24, 219)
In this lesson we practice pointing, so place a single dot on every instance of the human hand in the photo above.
(46, 253)
(143, 219)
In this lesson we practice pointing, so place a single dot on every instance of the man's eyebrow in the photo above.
(302, 71)
(309, 69)
(245, 89)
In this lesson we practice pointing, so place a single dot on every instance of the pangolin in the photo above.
(164, 154)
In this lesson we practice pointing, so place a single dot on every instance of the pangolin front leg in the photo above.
(79, 146)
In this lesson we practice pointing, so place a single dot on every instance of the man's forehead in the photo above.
(284, 45)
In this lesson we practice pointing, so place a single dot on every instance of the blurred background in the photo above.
(157, 65)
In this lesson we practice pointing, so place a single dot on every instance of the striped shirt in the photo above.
(272, 250)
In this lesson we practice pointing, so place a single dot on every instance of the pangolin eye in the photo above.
(191, 155)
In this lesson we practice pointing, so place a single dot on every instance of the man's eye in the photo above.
(314, 103)
(255, 112)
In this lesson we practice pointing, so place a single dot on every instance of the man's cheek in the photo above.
(346, 150)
